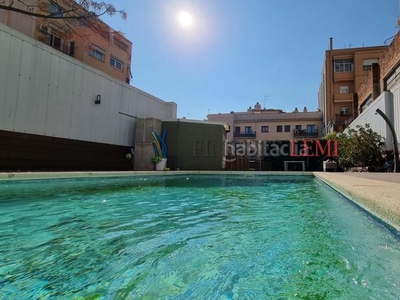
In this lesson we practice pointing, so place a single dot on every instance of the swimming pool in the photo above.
(191, 237)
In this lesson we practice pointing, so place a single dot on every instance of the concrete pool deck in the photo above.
(378, 193)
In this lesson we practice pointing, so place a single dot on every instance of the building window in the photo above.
(279, 128)
(129, 74)
(237, 129)
(116, 63)
(56, 42)
(298, 127)
(344, 89)
(344, 110)
(247, 130)
(264, 128)
(287, 128)
(367, 67)
(311, 128)
(367, 63)
(343, 65)
(97, 53)
(56, 10)
(71, 48)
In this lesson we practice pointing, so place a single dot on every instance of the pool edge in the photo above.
(6, 176)
(380, 198)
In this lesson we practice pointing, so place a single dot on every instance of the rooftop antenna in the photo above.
(265, 97)
(398, 17)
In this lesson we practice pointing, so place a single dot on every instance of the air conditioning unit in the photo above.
(44, 28)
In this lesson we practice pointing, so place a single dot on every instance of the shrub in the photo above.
(360, 147)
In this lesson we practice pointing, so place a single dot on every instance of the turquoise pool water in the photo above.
(191, 237)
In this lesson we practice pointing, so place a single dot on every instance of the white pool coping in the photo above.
(58, 175)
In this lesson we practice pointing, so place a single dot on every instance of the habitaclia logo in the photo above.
(291, 148)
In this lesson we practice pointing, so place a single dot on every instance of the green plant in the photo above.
(156, 159)
(360, 147)
(330, 136)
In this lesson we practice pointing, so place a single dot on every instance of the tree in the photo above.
(361, 147)
(330, 136)
(69, 16)
(91, 9)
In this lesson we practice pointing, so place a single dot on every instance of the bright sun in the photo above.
(185, 19)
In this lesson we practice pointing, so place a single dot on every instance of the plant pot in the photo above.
(161, 165)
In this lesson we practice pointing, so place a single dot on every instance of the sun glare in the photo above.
(185, 19)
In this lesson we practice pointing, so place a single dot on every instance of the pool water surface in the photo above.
(191, 237)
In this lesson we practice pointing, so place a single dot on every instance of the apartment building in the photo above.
(381, 90)
(87, 39)
(256, 132)
(270, 124)
(383, 76)
(343, 72)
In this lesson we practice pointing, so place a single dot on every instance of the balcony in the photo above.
(340, 122)
(343, 76)
(302, 133)
(343, 97)
(244, 135)
(342, 119)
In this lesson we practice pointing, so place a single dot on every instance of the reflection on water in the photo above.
(191, 237)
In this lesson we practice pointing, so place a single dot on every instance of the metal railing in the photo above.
(304, 133)
(244, 135)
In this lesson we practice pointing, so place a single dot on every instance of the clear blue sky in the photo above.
(238, 52)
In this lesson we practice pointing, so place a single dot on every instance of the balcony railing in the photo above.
(342, 119)
(244, 135)
(302, 133)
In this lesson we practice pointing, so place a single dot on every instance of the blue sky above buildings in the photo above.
(238, 52)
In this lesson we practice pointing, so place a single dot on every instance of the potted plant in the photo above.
(156, 159)
(160, 150)
(160, 162)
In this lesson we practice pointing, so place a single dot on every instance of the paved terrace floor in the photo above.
(379, 193)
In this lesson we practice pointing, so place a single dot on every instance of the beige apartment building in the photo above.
(87, 39)
(261, 124)
(343, 72)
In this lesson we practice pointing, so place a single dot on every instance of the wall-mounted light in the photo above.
(98, 99)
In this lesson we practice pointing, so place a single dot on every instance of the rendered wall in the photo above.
(194, 145)
(20, 22)
(385, 103)
(45, 92)
(396, 109)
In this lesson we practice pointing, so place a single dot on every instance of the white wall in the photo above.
(43, 91)
(396, 108)
(385, 103)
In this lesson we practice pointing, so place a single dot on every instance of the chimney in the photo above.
(330, 43)
(355, 105)
(376, 87)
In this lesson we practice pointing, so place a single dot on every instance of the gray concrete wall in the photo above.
(144, 151)
(195, 145)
